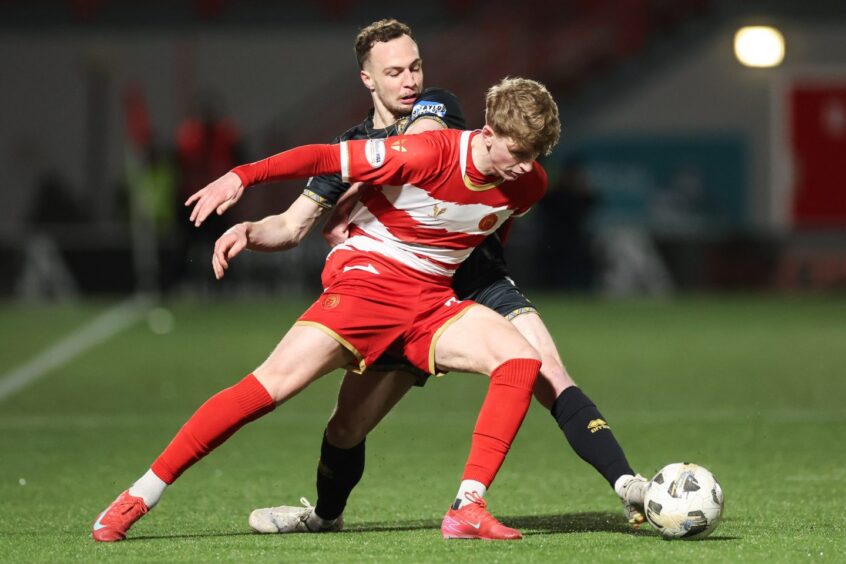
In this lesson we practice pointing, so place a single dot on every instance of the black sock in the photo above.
(338, 471)
(589, 434)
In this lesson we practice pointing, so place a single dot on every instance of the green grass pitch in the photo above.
(752, 387)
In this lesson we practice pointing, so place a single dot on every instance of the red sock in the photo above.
(213, 423)
(502, 413)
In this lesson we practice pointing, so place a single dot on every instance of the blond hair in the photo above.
(379, 31)
(524, 111)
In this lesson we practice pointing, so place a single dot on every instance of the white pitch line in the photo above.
(106, 325)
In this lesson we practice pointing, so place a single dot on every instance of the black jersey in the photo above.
(487, 262)
(433, 103)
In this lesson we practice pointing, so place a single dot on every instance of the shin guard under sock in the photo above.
(338, 472)
(502, 413)
(589, 434)
(213, 423)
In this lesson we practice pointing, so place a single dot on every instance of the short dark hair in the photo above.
(380, 31)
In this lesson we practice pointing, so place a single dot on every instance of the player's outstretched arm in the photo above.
(299, 162)
(305, 161)
(220, 195)
(273, 233)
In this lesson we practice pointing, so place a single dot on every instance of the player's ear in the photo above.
(488, 135)
(367, 80)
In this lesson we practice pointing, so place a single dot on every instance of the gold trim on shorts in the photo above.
(362, 366)
(437, 335)
(521, 311)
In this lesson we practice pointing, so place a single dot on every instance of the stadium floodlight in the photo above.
(759, 46)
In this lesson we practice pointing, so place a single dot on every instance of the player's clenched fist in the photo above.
(227, 247)
(220, 195)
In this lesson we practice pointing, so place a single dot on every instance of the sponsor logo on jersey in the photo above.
(437, 211)
(428, 108)
(330, 301)
(597, 425)
(399, 146)
(452, 300)
(488, 221)
(374, 152)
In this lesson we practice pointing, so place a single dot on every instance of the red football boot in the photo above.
(112, 524)
(474, 522)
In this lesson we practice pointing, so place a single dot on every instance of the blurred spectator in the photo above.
(207, 146)
(44, 272)
(151, 187)
(566, 248)
(54, 203)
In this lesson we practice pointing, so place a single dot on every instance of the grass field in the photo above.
(754, 388)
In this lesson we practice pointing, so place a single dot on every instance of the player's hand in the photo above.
(227, 247)
(220, 195)
(337, 229)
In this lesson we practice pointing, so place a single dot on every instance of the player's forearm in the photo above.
(273, 233)
(300, 162)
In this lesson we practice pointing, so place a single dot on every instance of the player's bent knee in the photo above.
(522, 350)
(344, 434)
(281, 386)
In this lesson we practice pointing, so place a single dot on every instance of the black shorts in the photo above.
(502, 295)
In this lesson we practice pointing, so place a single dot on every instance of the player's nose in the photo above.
(409, 80)
(523, 167)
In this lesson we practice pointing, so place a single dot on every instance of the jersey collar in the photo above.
(466, 161)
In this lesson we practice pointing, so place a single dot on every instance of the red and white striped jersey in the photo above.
(421, 206)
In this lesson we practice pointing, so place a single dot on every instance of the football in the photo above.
(684, 501)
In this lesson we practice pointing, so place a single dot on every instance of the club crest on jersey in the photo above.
(428, 108)
(487, 222)
(374, 152)
(399, 146)
(330, 301)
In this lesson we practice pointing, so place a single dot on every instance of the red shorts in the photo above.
(372, 305)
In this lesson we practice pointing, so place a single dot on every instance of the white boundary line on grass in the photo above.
(101, 328)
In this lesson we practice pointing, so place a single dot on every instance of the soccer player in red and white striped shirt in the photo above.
(433, 198)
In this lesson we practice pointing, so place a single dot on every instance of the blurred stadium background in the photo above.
(680, 169)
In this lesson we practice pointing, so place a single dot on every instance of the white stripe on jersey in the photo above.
(427, 213)
(463, 149)
(345, 162)
(432, 213)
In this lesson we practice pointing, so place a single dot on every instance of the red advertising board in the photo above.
(817, 141)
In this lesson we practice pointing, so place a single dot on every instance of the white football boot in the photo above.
(631, 490)
(292, 519)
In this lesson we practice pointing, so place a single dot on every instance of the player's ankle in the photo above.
(315, 522)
